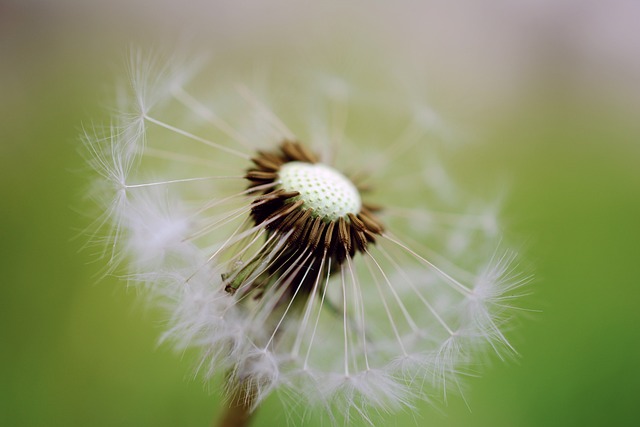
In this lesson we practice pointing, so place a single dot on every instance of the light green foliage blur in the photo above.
(78, 351)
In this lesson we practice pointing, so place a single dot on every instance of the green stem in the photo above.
(239, 410)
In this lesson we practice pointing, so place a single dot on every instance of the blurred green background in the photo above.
(76, 351)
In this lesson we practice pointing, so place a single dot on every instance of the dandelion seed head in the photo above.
(275, 263)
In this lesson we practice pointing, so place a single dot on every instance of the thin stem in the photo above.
(196, 138)
(240, 408)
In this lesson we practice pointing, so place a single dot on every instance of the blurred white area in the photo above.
(480, 54)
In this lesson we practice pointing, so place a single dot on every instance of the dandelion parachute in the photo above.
(326, 261)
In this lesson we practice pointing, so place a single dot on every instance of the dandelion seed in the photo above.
(276, 263)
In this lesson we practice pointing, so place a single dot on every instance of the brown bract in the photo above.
(282, 212)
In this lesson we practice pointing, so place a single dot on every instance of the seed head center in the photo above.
(329, 193)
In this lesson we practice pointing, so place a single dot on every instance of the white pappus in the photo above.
(299, 229)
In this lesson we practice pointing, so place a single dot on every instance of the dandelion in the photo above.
(315, 263)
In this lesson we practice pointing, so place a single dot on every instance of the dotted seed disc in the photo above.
(325, 190)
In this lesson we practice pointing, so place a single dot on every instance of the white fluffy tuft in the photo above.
(397, 323)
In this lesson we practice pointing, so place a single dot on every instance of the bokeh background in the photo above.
(550, 88)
